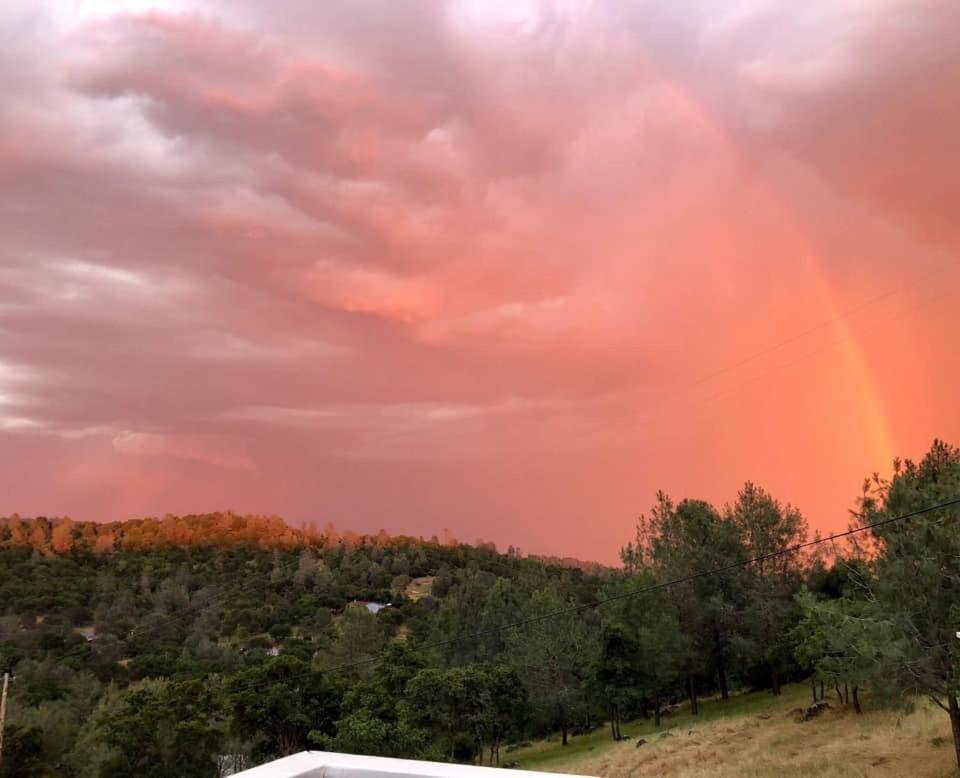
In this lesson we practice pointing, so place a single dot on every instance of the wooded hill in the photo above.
(64, 535)
(197, 645)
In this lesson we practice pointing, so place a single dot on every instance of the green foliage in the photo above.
(475, 704)
(373, 722)
(23, 755)
(136, 653)
(767, 609)
(554, 657)
(678, 542)
(161, 729)
(895, 628)
(157, 615)
(276, 705)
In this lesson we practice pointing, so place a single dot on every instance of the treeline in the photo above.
(63, 535)
(224, 528)
(200, 659)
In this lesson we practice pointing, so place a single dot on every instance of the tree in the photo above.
(680, 541)
(615, 673)
(503, 710)
(766, 528)
(477, 703)
(372, 722)
(276, 705)
(430, 704)
(915, 588)
(473, 613)
(845, 642)
(553, 657)
(662, 650)
(23, 754)
(162, 729)
(359, 638)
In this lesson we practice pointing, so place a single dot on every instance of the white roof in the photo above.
(323, 764)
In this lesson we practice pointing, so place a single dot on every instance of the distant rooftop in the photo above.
(373, 607)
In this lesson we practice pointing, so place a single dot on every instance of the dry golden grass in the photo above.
(774, 743)
(419, 587)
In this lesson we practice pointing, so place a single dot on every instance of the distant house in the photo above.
(373, 607)
(87, 633)
(273, 651)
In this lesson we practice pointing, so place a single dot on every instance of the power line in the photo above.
(575, 609)
(570, 611)
(851, 335)
(684, 397)
(667, 584)
(889, 293)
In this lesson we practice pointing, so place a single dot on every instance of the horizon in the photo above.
(502, 269)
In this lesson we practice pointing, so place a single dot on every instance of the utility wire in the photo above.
(574, 609)
(667, 584)
(889, 293)
(825, 324)
(563, 612)
(684, 397)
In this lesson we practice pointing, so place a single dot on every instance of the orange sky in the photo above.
(501, 268)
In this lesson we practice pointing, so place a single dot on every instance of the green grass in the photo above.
(550, 754)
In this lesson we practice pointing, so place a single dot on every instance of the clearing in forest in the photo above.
(420, 587)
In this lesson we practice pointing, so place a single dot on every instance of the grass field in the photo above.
(756, 735)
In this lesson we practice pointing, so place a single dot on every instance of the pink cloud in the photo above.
(209, 450)
(413, 265)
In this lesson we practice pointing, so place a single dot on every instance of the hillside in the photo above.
(757, 735)
(63, 535)
(236, 640)
(99, 617)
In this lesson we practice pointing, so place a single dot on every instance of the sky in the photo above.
(500, 268)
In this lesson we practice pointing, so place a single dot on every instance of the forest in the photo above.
(202, 645)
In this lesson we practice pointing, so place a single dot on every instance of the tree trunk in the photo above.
(822, 695)
(856, 700)
(692, 693)
(563, 731)
(721, 666)
(775, 680)
(656, 709)
(839, 693)
(955, 725)
(813, 689)
(846, 693)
